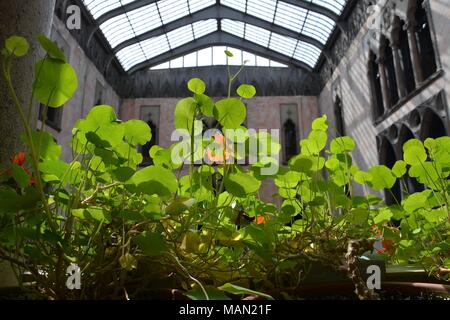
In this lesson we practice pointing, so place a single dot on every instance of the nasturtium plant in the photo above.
(197, 222)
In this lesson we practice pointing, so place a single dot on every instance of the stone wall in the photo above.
(262, 113)
(350, 81)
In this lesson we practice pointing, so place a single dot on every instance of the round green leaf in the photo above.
(56, 82)
(241, 184)
(230, 113)
(184, 114)
(246, 91)
(197, 86)
(382, 178)
(414, 152)
(51, 48)
(342, 145)
(17, 46)
(399, 169)
(137, 132)
(383, 216)
(362, 177)
(320, 123)
(206, 104)
(155, 180)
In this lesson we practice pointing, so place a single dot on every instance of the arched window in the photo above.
(388, 158)
(339, 117)
(289, 131)
(427, 54)
(390, 70)
(432, 126)
(290, 139)
(406, 59)
(375, 82)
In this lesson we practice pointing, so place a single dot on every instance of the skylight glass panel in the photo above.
(219, 57)
(318, 27)
(235, 4)
(180, 36)
(290, 16)
(258, 35)
(216, 56)
(99, 7)
(234, 27)
(205, 57)
(276, 64)
(282, 44)
(177, 63)
(171, 10)
(144, 19)
(131, 24)
(155, 46)
(190, 60)
(165, 65)
(262, 62)
(236, 59)
(264, 9)
(197, 5)
(337, 6)
(205, 27)
(249, 57)
(307, 53)
(130, 56)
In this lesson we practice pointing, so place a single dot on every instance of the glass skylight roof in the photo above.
(215, 56)
(140, 30)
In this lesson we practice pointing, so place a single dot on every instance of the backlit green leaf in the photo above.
(17, 45)
(55, 82)
(197, 86)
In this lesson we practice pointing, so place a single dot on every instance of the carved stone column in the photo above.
(410, 26)
(399, 71)
(27, 19)
(384, 83)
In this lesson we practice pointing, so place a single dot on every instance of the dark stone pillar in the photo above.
(27, 19)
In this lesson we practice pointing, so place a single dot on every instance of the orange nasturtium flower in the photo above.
(19, 159)
(221, 155)
(260, 220)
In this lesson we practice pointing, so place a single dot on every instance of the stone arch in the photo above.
(432, 125)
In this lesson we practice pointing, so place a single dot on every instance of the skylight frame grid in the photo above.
(239, 5)
(290, 16)
(197, 5)
(337, 6)
(263, 9)
(204, 27)
(257, 35)
(236, 28)
(100, 7)
(282, 44)
(171, 10)
(180, 36)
